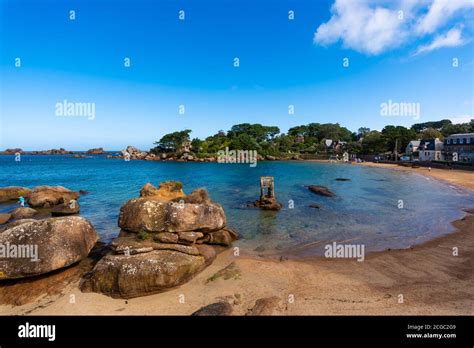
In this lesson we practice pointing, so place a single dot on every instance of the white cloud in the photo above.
(360, 27)
(373, 26)
(451, 39)
(439, 13)
(461, 119)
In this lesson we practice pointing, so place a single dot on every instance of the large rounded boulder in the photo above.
(49, 196)
(23, 213)
(33, 247)
(144, 214)
(143, 273)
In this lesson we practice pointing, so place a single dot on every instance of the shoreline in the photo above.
(457, 177)
(430, 278)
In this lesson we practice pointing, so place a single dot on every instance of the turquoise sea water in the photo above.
(365, 209)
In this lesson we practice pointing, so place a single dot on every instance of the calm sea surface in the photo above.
(365, 209)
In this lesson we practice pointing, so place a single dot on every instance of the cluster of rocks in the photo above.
(43, 201)
(133, 153)
(96, 151)
(49, 243)
(166, 238)
(11, 151)
(60, 151)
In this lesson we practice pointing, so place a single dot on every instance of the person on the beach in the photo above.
(21, 200)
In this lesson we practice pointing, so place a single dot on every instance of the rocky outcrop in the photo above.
(49, 196)
(223, 236)
(33, 247)
(60, 151)
(267, 204)
(167, 210)
(96, 151)
(13, 193)
(12, 151)
(23, 213)
(133, 153)
(321, 190)
(167, 191)
(166, 239)
(142, 273)
(64, 209)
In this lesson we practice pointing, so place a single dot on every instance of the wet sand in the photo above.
(427, 279)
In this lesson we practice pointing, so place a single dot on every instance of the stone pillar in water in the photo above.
(267, 199)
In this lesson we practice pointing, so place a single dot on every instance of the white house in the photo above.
(431, 150)
(412, 146)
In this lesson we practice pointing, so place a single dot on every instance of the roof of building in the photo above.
(428, 144)
(461, 135)
(415, 142)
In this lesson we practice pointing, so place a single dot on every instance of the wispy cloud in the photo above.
(373, 27)
(439, 13)
(451, 39)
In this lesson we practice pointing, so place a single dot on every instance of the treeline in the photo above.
(310, 138)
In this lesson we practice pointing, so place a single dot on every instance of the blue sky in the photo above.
(400, 56)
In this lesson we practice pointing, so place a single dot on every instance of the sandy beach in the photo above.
(461, 178)
(426, 279)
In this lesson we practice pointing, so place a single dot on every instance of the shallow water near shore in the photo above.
(364, 211)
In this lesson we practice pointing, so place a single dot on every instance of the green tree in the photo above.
(257, 131)
(438, 125)
(373, 143)
(172, 142)
(196, 144)
(397, 135)
(244, 142)
(430, 133)
(457, 128)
